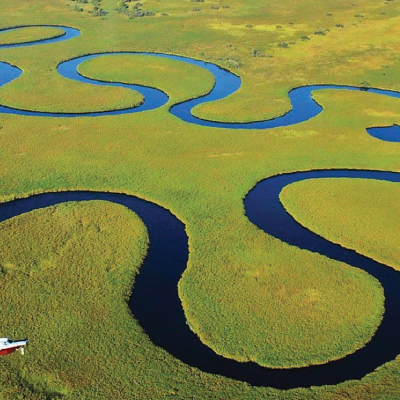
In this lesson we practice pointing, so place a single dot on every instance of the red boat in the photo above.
(8, 346)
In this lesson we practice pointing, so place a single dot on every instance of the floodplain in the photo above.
(67, 272)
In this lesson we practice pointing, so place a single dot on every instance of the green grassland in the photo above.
(29, 34)
(247, 295)
(178, 79)
(69, 319)
(359, 214)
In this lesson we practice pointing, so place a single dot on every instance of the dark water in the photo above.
(156, 305)
(386, 133)
(155, 302)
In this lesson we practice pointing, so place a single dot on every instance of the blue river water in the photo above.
(69, 33)
(386, 133)
(162, 269)
(167, 258)
(304, 107)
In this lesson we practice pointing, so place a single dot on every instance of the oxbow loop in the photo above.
(156, 284)
(179, 340)
(304, 107)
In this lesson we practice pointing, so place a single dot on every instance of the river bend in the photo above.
(304, 107)
(168, 252)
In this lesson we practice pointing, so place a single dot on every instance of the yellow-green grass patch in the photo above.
(66, 289)
(359, 214)
(178, 79)
(29, 34)
(48, 91)
(300, 308)
(202, 174)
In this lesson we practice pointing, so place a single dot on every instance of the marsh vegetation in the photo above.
(246, 294)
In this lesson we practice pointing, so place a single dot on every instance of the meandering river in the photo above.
(167, 258)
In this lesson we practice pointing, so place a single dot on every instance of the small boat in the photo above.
(8, 346)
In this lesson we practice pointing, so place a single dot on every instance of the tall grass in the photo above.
(359, 214)
(238, 279)
(29, 34)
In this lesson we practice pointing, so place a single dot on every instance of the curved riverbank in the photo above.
(303, 105)
(169, 330)
(67, 34)
(167, 258)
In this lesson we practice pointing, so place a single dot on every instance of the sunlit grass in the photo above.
(67, 291)
(178, 79)
(238, 279)
(29, 34)
(359, 214)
